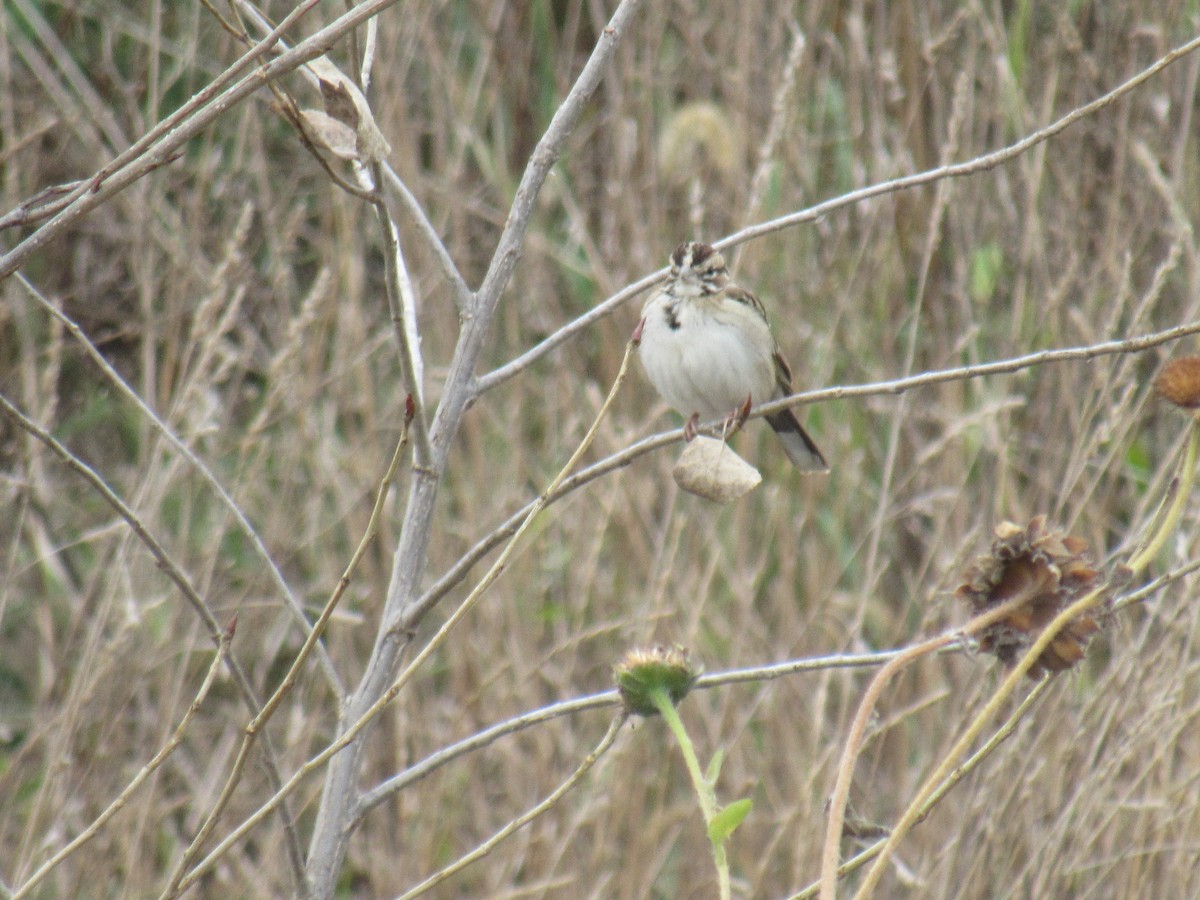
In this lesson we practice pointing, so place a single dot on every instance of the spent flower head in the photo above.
(642, 673)
(1178, 382)
(1051, 570)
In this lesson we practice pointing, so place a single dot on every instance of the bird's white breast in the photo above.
(713, 360)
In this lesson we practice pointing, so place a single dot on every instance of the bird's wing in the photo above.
(741, 295)
(783, 372)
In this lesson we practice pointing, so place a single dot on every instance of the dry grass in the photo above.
(242, 296)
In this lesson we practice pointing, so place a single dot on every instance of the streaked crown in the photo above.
(699, 266)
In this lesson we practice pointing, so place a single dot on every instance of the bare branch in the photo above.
(525, 360)
(166, 433)
(394, 187)
(122, 798)
(169, 137)
(339, 796)
(811, 214)
(970, 167)
(751, 675)
(435, 761)
(999, 367)
(872, 389)
(525, 818)
(167, 564)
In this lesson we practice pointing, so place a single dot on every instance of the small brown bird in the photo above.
(707, 348)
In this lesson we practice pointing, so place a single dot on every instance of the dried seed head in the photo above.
(699, 141)
(1179, 382)
(1050, 570)
(643, 670)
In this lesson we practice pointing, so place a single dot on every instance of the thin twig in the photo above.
(811, 214)
(999, 367)
(477, 741)
(525, 818)
(198, 604)
(159, 758)
(394, 186)
(1002, 734)
(748, 675)
(256, 725)
(968, 167)
(516, 366)
(113, 377)
(161, 557)
(622, 458)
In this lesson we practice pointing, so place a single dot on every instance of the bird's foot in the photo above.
(736, 419)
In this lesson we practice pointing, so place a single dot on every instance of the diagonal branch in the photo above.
(456, 573)
(170, 136)
(198, 603)
(458, 392)
(340, 792)
(811, 214)
(394, 187)
(166, 433)
(391, 187)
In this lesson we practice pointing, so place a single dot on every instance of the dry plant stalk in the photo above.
(1035, 596)
(410, 598)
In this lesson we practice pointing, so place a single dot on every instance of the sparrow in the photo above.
(706, 346)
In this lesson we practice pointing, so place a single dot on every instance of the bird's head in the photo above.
(698, 268)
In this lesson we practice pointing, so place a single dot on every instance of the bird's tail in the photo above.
(798, 446)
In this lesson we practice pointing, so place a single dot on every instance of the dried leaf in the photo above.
(709, 468)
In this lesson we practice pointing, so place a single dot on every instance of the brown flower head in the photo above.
(1050, 570)
(642, 672)
(1179, 382)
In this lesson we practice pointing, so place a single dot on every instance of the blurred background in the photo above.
(241, 294)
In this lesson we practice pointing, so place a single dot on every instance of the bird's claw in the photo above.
(737, 418)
